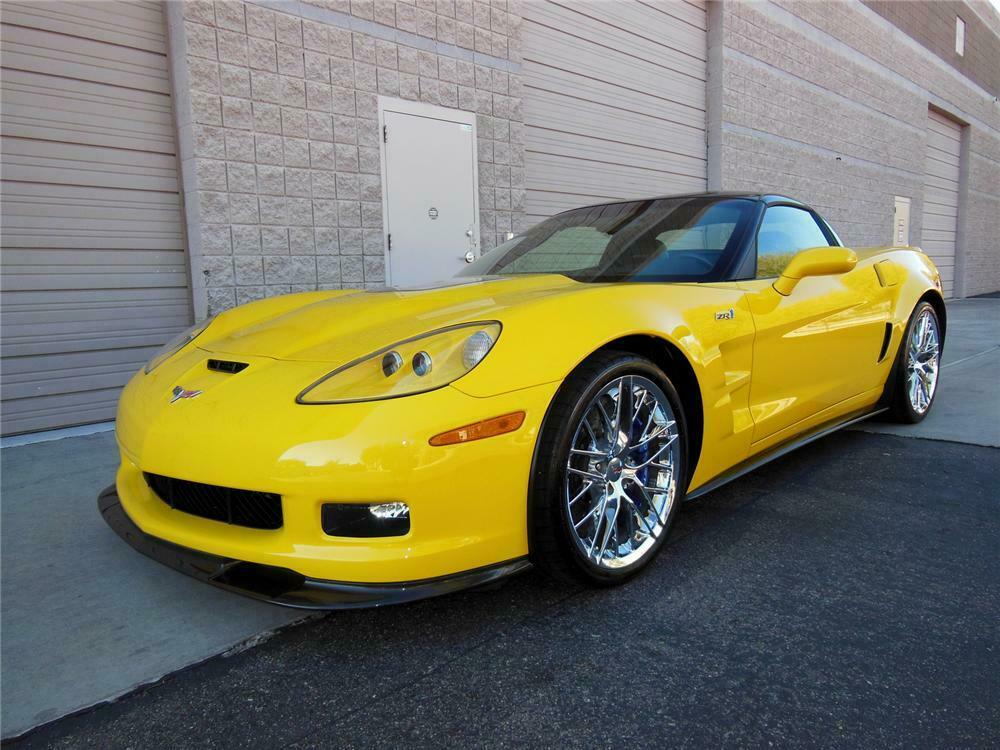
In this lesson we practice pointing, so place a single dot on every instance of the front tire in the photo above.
(609, 471)
(918, 366)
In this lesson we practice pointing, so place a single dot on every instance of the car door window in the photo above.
(785, 231)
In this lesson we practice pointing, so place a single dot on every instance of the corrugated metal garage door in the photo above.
(94, 273)
(940, 222)
(614, 101)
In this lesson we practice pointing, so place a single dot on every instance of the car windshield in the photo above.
(667, 239)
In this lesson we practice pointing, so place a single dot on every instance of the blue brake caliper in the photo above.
(639, 457)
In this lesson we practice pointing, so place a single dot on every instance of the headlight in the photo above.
(175, 344)
(416, 365)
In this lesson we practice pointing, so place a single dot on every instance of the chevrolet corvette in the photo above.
(550, 406)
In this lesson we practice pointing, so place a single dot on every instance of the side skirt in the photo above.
(755, 462)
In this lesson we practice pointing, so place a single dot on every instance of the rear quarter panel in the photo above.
(911, 275)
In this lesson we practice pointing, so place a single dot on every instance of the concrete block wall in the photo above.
(279, 138)
(932, 23)
(828, 102)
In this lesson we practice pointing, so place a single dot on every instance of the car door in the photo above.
(818, 347)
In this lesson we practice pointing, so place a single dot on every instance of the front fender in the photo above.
(710, 325)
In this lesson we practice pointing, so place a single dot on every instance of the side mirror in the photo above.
(816, 261)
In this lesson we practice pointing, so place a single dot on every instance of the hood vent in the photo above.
(223, 365)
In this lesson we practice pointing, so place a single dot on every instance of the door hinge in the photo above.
(385, 134)
(389, 241)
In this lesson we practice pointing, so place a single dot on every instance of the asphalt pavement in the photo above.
(846, 595)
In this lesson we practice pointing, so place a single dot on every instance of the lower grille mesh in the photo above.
(257, 510)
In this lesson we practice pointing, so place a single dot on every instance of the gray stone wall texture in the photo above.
(828, 102)
(932, 23)
(280, 140)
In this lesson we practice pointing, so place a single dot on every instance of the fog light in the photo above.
(364, 520)
(389, 510)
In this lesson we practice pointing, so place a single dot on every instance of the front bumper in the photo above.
(468, 502)
(286, 587)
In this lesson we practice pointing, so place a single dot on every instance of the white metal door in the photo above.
(431, 223)
(940, 218)
(901, 222)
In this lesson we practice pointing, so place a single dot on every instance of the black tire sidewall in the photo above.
(581, 391)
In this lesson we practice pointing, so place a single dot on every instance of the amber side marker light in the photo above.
(479, 430)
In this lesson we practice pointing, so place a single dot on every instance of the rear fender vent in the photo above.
(887, 336)
(224, 365)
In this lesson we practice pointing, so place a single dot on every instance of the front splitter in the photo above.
(287, 587)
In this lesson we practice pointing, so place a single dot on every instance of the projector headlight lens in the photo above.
(422, 363)
(391, 363)
(408, 367)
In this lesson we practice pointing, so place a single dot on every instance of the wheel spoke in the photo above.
(593, 454)
(625, 415)
(649, 501)
(581, 493)
(659, 432)
(609, 423)
(591, 514)
(648, 530)
(609, 527)
(599, 518)
(659, 451)
(650, 418)
(584, 473)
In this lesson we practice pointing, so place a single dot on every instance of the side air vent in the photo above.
(885, 341)
(223, 365)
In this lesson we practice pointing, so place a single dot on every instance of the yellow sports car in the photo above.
(551, 406)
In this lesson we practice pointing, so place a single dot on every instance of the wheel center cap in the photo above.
(614, 471)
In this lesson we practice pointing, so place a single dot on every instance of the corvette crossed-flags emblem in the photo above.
(179, 393)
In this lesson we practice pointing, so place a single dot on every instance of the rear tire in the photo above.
(605, 489)
(917, 366)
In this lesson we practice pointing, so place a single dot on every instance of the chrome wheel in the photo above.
(620, 481)
(923, 353)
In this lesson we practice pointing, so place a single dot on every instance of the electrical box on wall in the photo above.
(901, 222)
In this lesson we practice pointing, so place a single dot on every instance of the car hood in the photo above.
(339, 328)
